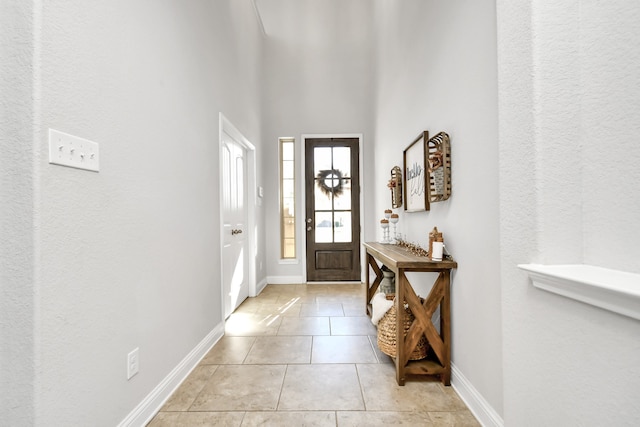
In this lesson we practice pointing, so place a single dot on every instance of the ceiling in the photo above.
(316, 20)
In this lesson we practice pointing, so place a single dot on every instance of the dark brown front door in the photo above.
(332, 209)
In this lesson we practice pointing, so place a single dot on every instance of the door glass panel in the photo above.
(342, 227)
(324, 229)
(331, 180)
(332, 191)
(342, 160)
(342, 200)
(322, 199)
(321, 160)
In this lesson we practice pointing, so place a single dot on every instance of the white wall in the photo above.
(318, 69)
(437, 72)
(610, 71)
(569, 95)
(17, 232)
(128, 257)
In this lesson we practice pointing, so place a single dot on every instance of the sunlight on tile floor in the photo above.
(305, 355)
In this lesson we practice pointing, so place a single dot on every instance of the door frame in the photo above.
(250, 188)
(301, 204)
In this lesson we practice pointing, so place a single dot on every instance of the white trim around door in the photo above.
(250, 187)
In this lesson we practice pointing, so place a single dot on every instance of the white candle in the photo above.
(437, 250)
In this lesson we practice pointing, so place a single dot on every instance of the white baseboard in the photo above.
(150, 405)
(286, 280)
(260, 286)
(482, 410)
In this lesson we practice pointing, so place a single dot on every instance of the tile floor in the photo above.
(306, 355)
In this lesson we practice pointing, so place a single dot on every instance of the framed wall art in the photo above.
(438, 168)
(415, 175)
(395, 185)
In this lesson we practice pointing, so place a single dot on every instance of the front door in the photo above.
(332, 219)
(235, 285)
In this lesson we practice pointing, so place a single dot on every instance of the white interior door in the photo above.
(235, 283)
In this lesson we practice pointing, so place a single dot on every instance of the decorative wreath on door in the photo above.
(330, 182)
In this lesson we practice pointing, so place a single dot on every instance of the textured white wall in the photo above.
(128, 257)
(610, 72)
(318, 69)
(17, 232)
(437, 71)
(568, 93)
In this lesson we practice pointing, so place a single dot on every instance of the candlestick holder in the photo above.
(384, 223)
(393, 219)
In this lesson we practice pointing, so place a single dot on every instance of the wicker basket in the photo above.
(387, 333)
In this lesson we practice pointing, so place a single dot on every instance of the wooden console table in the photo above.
(400, 260)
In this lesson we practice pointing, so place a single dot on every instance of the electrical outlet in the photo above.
(72, 151)
(133, 363)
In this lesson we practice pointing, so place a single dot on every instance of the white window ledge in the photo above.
(613, 290)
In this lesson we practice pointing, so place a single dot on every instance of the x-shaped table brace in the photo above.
(439, 296)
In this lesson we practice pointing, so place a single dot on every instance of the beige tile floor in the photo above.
(306, 355)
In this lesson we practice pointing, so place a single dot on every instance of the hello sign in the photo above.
(427, 171)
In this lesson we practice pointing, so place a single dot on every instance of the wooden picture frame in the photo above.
(414, 159)
(438, 168)
(395, 184)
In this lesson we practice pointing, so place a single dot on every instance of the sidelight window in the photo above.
(287, 199)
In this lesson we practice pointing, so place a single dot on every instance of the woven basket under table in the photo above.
(387, 333)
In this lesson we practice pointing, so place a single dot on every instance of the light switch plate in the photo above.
(73, 151)
(133, 362)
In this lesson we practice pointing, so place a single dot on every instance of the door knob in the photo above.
(309, 220)
(309, 228)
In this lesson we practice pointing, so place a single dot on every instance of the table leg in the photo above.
(401, 282)
(366, 290)
(372, 287)
(445, 327)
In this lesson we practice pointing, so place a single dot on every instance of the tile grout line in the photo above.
(202, 389)
(364, 402)
(375, 353)
(284, 377)
(255, 339)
